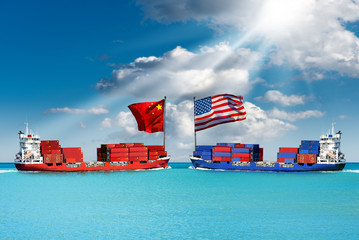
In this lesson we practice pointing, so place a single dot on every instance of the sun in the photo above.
(278, 17)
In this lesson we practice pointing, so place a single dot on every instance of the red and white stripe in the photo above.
(225, 108)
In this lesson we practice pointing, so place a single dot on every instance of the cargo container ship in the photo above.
(48, 155)
(311, 155)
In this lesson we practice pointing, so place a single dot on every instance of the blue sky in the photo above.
(71, 69)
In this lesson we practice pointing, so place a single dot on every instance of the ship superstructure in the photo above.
(29, 152)
(330, 148)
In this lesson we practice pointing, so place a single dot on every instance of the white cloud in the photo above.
(306, 34)
(284, 100)
(124, 121)
(182, 74)
(95, 110)
(294, 116)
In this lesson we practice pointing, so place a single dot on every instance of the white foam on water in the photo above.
(152, 169)
(351, 171)
(7, 171)
(198, 168)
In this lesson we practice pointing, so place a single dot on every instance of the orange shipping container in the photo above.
(307, 158)
(53, 158)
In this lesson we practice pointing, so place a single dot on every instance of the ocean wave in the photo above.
(7, 171)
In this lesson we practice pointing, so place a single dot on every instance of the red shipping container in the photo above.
(50, 147)
(136, 159)
(153, 157)
(53, 158)
(138, 149)
(307, 158)
(138, 144)
(162, 153)
(121, 145)
(221, 149)
(260, 150)
(129, 144)
(56, 151)
(119, 159)
(49, 142)
(45, 151)
(138, 154)
(288, 149)
(239, 145)
(118, 155)
(281, 159)
(98, 150)
(152, 153)
(118, 150)
(156, 147)
(221, 159)
(248, 155)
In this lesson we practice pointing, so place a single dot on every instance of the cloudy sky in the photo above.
(71, 68)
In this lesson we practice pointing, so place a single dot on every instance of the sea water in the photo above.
(179, 203)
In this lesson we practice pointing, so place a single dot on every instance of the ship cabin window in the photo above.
(227, 162)
(131, 162)
(216, 161)
(143, 161)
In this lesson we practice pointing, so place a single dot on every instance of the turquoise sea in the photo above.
(179, 203)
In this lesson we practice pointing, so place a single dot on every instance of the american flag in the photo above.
(218, 109)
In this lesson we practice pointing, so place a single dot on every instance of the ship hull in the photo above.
(84, 167)
(274, 167)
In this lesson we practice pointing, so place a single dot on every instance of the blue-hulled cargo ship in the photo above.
(311, 155)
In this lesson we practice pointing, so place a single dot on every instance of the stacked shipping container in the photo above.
(136, 152)
(308, 151)
(287, 155)
(51, 151)
(230, 152)
(72, 154)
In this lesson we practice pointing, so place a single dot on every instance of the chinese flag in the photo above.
(149, 115)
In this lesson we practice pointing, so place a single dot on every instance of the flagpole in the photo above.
(194, 123)
(164, 123)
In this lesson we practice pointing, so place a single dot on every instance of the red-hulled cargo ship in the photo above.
(37, 155)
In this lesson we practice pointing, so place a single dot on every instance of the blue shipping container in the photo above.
(204, 147)
(310, 142)
(202, 153)
(254, 146)
(241, 150)
(289, 160)
(287, 155)
(207, 157)
(221, 154)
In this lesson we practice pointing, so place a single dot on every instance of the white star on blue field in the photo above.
(70, 69)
